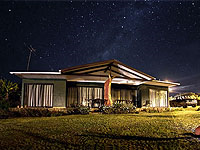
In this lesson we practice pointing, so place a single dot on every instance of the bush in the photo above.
(84, 110)
(167, 109)
(177, 109)
(153, 110)
(57, 113)
(118, 108)
(42, 112)
(78, 110)
(4, 114)
(14, 98)
(29, 112)
(160, 109)
(4, 104)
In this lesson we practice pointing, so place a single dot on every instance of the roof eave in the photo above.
(35, 73)
(162, 83)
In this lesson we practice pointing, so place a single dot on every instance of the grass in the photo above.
(168, 130)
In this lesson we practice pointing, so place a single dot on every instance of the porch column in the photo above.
(107, 92)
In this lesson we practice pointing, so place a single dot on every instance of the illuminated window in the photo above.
(38, 95)
(81, 95)
(158, 98)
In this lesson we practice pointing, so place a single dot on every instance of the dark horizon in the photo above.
(161, 39)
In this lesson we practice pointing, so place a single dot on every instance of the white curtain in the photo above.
(158, 98)
(80, 95)
(38, 95)
(123, 94)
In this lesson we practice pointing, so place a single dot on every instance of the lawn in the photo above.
(168, 130)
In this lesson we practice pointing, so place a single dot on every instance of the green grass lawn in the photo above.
(168, 130)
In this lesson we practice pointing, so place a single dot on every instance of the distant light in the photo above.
(170, 90)
(9, 9)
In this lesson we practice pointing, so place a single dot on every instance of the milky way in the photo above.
(159, 38)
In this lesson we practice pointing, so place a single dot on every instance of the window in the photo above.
(158, 98)
(81, 95)
(124, 95)
(38, 95)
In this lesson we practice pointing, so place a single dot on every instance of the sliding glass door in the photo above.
(81, 95)
(124, 95)
(38, 95)
(158, 98)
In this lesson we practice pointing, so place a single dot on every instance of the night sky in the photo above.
(159, 38)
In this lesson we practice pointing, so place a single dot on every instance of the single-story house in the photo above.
(87, 84)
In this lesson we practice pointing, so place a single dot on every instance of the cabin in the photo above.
(93, 85)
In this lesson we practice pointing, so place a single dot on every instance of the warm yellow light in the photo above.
(170, 90)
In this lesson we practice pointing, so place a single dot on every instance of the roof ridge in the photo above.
(85, 65)
(103, 63)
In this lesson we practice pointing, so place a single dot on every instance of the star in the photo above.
(80, 32)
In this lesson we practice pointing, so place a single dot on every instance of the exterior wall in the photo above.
(59, 95)
(143, 94)
(60, 90)
(142, 97)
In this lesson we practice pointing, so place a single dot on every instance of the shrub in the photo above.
(84, 110)
(29, 112)
(14, 98)
(177, 109)
(153, 110)
(70, 111)
(167, 109)
(79, 110)
(4, 104)
(131, 108)
(118, 108)
(9, 94)
(57, 113)
(4, 114)
(42, 112)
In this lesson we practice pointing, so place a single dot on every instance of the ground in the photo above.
(168, 130)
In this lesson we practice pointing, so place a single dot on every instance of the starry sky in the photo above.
(160, 38)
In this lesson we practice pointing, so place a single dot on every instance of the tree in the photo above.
(7, 88)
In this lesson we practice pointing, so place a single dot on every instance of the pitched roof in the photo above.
(98, 72)
(104, 68)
